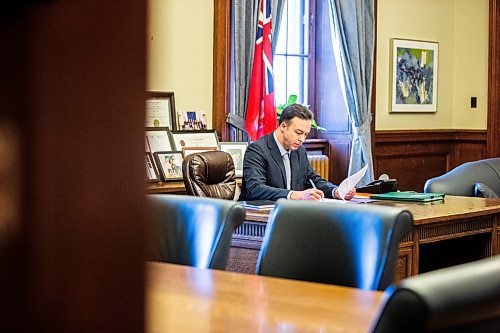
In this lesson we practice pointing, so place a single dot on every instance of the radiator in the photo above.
(320, 164)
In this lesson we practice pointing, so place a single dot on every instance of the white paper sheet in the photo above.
(350, 182)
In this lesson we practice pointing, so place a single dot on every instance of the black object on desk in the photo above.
(379, 186)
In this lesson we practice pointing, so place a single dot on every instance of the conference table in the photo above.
(445, 233)
(187, 299)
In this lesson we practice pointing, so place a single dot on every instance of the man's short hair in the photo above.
(295, 110)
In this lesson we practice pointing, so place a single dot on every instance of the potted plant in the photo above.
(291, 100)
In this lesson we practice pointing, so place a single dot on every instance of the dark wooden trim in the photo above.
(400, 136)
(493, 145)
(221, 68)
(374, 84)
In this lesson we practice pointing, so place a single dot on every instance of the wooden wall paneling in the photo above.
(339, 165)
(493, 148)
(222, 67)
(414, 156)
(72, 94)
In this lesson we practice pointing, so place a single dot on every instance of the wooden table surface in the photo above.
(186, 299)
(423, 213)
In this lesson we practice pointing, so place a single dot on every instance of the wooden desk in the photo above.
(186, 299)
(455, 231)
(172, 187)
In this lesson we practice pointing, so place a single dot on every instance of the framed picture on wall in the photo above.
(169, 164)
(237, 152)
(151, 172)
(414, 76)
(157, 139)
(191, 120)
(206, 138)
(160, 109)
(195, 150)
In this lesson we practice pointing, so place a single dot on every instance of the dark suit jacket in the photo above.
(264, 172)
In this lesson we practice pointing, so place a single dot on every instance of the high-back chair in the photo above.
(193, 231)
(210, 174)
(351, 245)
(463, 298)
(472, 179)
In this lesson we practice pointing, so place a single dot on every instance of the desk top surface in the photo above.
(187, 299)
(451, 208)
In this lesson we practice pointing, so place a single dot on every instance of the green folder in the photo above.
(409, 196)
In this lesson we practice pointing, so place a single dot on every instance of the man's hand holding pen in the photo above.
(309, 194)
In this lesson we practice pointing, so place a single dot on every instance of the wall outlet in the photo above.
(473, 102)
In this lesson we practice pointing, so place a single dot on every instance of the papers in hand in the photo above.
(350, 182)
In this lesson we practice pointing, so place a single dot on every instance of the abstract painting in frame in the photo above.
(414, 76)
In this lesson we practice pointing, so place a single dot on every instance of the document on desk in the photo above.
(350, 182)
(352, 201)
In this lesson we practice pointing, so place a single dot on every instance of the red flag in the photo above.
(261, 112)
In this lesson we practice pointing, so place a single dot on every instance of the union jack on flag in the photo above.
(261, 112)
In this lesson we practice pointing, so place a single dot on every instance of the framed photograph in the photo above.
(237, 152)
(414, 76)
(169, 164)
(160, 109)
(206, 138)
(157, 139)
(151, 172)
(192, 120)
(194, 150)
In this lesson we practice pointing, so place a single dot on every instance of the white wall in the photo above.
(461, 29)
(180, 52)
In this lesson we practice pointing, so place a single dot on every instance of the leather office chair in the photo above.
(210, 174)
(344, 244)
(193, 231)
(479, 178)
(464, 298)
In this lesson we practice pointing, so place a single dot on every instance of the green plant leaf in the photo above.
(315, 126)
(291, 100)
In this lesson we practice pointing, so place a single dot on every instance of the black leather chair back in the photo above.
(210, 174)
(193, 231)
(464, 298)
(461, 180)
(344, 244)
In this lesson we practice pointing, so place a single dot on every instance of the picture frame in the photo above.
(237, 151)
(151, 171)
(203, 138)
(414, 75)
(157, 139)
(169, 164)
(160, 109)
(191, 120)
(194, 150)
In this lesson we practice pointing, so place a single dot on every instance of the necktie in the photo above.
(288, 171)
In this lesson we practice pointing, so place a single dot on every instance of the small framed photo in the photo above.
(205, 138)
(237, 152)
(169, 164)
(194, 150)
(157, 139)
(192, 120)
(151, 172)
(160, 109)
(414, 76)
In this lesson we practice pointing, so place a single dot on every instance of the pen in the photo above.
(314, 186)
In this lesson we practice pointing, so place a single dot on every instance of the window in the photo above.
(292, 53)
(305, 65)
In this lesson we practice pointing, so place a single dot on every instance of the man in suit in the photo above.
(276, 165)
